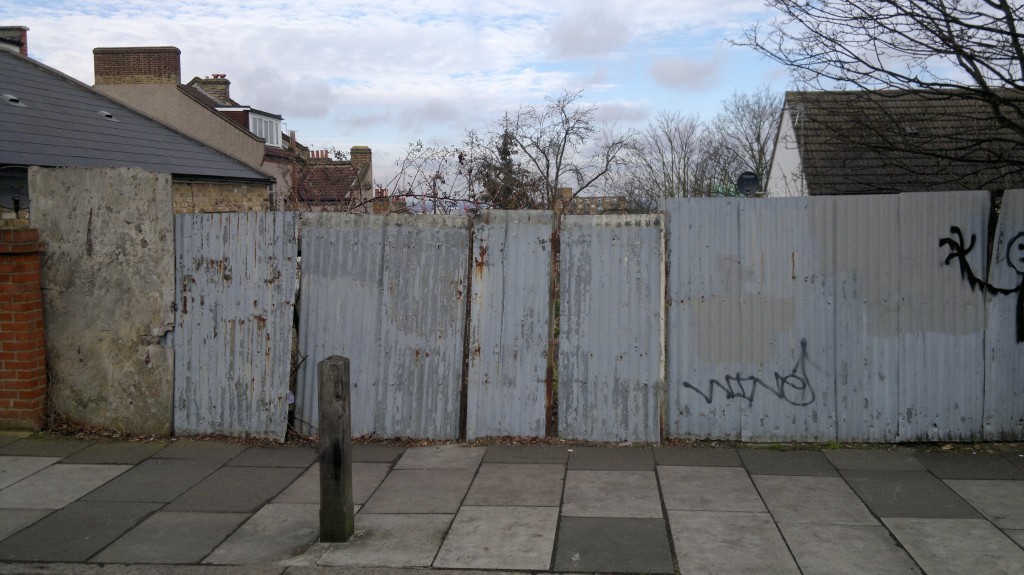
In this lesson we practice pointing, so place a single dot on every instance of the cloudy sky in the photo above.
(389, 72)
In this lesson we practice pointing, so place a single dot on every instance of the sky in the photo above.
(387, 73)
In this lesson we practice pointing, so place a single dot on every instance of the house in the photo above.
(52, 120)
(589, 205)
(149, 78)
(861, 142)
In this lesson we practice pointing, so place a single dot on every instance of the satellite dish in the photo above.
(14, 189)
(748, 184)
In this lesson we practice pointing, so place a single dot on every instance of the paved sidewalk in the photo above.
(69, 506)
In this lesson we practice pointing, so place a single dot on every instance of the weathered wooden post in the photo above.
(336, 507)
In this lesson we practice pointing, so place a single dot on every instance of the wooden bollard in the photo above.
(336, 507)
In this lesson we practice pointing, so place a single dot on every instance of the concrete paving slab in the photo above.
(500, 538)
(517, 484)
(93, 569)
(527, 454)
(903, 460)
(729, 542)
(611, 494)
(122, 452)
(324, 570)
(277, 531)
(7, 437)
(846, 550)
(812, 500)
(956, 546)
(612, 458)
(603, 545)
(14, 468)
(236, 489)
(1015, 457)
(907, 494)
(366, 477)
(42, 446)
(1016, 534)
(441, 457)
(376, 453)
(398, 540)
(58, 485)
(275, 457)
(171, 537)
(75, 532)
(156, 480)
(697, 456)
(193, 449)
(969, 466)
(776, 462)
(14, 520)
(421, 491)
(709, 489)
(1001, 502)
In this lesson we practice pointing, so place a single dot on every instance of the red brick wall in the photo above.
(22, 343)
(145, 65)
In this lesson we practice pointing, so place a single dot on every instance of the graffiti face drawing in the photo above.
(1014, 258)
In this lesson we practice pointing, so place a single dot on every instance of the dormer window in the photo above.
(266, 127)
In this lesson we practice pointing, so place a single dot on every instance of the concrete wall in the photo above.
(108, 289)
(168, 104)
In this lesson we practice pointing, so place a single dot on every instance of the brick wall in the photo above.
(22, 341)
(208, 198)
(143, 65)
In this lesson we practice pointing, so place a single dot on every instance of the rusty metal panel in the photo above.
(611, 354)
(508, 330)
(234, 296)
(942, 319)
(786, 306)
(867, 317)
(388, 292)
(703, 316)
(1004, 336)
(423, 323)
(340, 312)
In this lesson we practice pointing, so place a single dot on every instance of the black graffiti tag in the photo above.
(793, 388)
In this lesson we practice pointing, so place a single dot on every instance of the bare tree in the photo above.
(563, 146)
(962, 57)
(745, 133)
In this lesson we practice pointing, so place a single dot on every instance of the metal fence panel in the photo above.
(867, 317)
(508, 332)
(942, 320)
(426, 272)
(1004, 336)
(234, 295)
(339, 312)
(703, 316)
(786, 302)
(611, 330)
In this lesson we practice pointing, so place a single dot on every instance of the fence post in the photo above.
(336, 507)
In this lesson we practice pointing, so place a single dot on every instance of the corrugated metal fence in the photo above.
(875, 318)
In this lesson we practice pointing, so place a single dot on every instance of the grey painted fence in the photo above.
(611, 332)
(507, 392)
(389, 293)
(234, 300)
(880, 318)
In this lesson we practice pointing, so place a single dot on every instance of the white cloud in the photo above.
(686, 74)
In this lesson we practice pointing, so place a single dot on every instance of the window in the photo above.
(267, 128)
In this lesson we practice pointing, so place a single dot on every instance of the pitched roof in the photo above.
(61, 122)
(895, 141)
(326, 182)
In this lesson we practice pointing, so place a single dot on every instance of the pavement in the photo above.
(197, 507)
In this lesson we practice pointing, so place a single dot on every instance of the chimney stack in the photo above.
(140, 65)
(15, 39)
(361, 156)
(217, 86)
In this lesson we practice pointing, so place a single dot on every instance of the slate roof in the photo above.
(896, 141)
(326, 182)
(62, 122)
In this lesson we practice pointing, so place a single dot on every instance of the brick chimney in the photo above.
(362, 156)
(14, 38)
(217, 86)
(140, 65)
